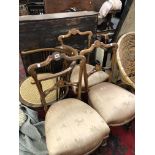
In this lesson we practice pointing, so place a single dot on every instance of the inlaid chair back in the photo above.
(51, 87)
(77, 44)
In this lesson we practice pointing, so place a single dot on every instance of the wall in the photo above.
(129, 22)
(127, 26)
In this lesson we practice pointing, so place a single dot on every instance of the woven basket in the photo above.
(126, 58)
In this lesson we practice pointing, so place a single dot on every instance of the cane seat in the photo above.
(73, 128)
(29, 93)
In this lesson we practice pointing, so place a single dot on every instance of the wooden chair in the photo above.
(34, 90)
(37, 55)
(94, 74)
(115, 104)
(71, 126)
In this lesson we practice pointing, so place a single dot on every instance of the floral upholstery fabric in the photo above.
(73, 128)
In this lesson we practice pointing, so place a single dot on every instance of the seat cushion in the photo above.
(93, 79)
(29, 93)
(115, 104)
(73, 128)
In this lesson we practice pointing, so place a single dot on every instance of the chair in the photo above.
(32, 88)
(71, 126)
(77, 43)
(115, 104)
(96, 75)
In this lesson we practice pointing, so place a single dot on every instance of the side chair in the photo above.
(94, 74)
(71, 126)
(114, 104)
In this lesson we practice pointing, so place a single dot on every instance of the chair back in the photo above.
(62, 77)
(98, 67)
(37, 55)
(70, 37)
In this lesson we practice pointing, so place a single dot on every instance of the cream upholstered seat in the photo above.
(73, 128)
(115, 104)
(29, 93)
(93, 79)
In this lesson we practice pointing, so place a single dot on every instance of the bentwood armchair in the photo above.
(114, 104)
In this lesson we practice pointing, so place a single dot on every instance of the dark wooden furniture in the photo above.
(36, 7)
(56, 6)
(41, 31)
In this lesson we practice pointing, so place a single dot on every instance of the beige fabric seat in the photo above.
(73, 128)
(115, 104)
(29, 94)
(93, 79)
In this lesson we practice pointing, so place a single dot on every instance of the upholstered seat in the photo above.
(93, 79)
(29, 93)
(115, 104)
(73, 128)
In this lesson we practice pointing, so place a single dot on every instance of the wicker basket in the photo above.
(126, 58)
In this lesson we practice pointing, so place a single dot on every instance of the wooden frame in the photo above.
(42, 53)
(97, 44)
(57, 55)
(75, 31)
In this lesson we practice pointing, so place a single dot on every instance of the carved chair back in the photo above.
(74, 32)
(98, 67)
(62, 76)
(33, 56)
